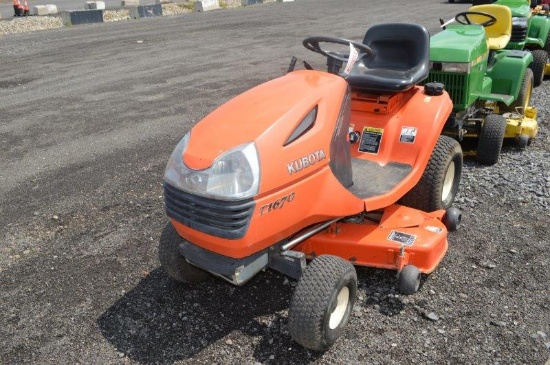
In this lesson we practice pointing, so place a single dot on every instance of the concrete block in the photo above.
(76, 17)
(284, 1)
(145, 11)
(52, 9)
(251, 2)
(100, 5)
(129, 3)
(39, 10)
(205, 5)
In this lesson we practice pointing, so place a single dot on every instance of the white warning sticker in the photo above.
(353, 56)
(408, 134)
(434, 229)
(402, 237)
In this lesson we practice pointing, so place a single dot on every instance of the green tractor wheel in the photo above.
(524, 96)
(490, 139)
(540, 59)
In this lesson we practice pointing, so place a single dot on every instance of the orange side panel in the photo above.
(418, 112)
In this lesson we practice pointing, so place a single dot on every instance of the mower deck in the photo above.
(403, 236)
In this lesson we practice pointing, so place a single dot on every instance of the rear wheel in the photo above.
(490, 139)
(540, 59)
(175, 265)
(524, 96)
(438, 185)
(322, 302)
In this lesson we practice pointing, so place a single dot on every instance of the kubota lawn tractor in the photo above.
(483, 79)
(310, 167)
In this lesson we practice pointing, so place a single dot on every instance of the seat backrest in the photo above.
(498, 35)
(397, 46)
(399, 61)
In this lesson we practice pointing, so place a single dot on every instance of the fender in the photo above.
(538, 32)
(507, 74)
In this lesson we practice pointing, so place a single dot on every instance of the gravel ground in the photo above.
(84, 139)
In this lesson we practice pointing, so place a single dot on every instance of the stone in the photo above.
(95, 5)
(76, 17)
(52, 9)
(39, 10)
(251, 2)
(145, 11)
(206, 5)
(432, 316)
(129, 3)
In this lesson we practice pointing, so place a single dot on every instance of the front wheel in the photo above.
(438, 185)
(490, 139)
(174, 264)
(322, 302)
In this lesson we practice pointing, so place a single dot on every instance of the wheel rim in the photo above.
(337, 314)
(527, 98)
(448, 182)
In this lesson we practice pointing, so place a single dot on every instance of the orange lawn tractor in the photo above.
(314, 172)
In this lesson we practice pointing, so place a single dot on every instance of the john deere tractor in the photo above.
(531, 31)
(483, 79)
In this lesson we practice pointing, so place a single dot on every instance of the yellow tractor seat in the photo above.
(498, 35)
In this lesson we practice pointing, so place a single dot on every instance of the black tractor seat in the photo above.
(400, 59)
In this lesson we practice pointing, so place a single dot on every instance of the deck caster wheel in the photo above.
(175, 265)
(523, 141)
(409, 280)
(322, 302)
(452, 219)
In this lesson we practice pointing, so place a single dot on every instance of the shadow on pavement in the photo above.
(162, 321)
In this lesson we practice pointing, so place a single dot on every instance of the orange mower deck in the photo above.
(404, 236)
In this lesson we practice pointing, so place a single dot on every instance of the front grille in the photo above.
(455, 84)
(519, 33)
(224, 219)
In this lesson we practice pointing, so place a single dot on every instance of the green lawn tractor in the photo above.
(487, 83)
(531, 31)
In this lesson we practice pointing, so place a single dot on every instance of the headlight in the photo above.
(456, 67)
(234, 175)
(520, 22)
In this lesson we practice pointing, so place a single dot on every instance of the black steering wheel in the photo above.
(312, 43)
(464, 18)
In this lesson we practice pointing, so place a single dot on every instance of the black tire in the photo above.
(490, 139)
(439, 183)
(452, 219)
(451, 1)
(318, 310)
(174, 263)
(547, 44)
(540, 59)
(409, 280)
(524, 96)
(523, 141)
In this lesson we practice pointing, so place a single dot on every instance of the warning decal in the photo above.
(408, 135)
(434, 229)
(370, 140)
(401, 237)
